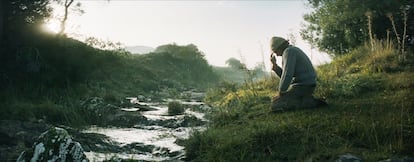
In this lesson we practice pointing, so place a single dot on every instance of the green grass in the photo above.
(368, 132)
(370, 115)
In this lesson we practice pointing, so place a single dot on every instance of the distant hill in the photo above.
(139, 49)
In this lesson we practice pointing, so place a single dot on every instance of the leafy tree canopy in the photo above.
(185, 63)
(234, 63)
(337, 26)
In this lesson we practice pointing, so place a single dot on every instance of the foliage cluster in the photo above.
(369, 115)
(339, 26)
(175, 65)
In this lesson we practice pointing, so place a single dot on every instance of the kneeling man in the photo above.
(297, 77)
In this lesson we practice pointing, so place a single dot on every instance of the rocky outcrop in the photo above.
(54, 145)
(193, 95)
(16, 136)
(111, 115)
(182, 121)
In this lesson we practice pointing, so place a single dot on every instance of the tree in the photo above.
(188, 60)
(16, 15)
(67, 4)
(234, 63)
(18, 20)
(1, 24)
(337, 26)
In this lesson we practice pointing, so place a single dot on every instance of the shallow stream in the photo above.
(155, 141)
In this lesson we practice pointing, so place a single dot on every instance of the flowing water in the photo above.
(155, 142)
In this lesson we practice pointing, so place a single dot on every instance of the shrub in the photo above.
(175, 108)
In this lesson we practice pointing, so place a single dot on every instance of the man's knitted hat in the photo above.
(277, 41)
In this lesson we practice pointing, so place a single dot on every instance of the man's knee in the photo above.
(301, 90)
(291, 103)
(287, 101)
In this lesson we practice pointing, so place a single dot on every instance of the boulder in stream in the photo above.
(54, 145)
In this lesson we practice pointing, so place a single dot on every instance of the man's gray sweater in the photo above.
(297, 69)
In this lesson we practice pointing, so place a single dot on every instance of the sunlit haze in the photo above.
(220, 29)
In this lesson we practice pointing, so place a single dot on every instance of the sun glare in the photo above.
(52, 26)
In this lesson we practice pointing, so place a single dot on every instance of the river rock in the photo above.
(348, 158)
(111, 115)
(181, 121)
(405, 159)
(193, 95)
(141, 98)
(54, 145)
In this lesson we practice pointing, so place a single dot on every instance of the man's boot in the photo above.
(311, 102)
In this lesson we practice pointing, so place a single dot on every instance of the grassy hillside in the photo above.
(370, 115)
(46, 77)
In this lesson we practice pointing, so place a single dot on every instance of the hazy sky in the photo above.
(221, 29)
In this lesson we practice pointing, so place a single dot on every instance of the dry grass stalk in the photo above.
(391, 17)
(371, 38)
(405, 32)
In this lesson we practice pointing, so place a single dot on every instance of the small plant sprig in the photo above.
(250, 74)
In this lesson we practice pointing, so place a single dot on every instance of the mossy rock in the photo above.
(54, 145)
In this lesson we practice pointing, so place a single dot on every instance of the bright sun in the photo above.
(52, 26)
